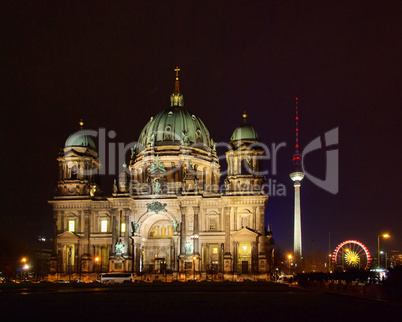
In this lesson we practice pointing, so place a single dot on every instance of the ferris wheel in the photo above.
(351, 254)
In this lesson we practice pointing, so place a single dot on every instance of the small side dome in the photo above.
(80, 139)
(244, 132)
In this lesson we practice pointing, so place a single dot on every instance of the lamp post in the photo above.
(97, 261)
(329, 263)
(290, 258)
(24, 267)
(194, 237)
(194, 258)
(378, 240)
(69, 263)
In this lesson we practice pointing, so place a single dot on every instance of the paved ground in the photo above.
(190, 301)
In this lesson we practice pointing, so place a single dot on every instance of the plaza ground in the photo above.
(190, 301)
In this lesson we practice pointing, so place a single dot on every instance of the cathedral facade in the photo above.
(168, 211)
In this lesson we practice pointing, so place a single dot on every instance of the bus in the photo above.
(116, 277)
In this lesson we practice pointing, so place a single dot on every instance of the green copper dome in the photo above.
(175, 126)
(80, 139)
(244, 132)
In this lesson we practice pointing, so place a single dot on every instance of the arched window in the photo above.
(198, 136)
(244, 221)
(74, 172)
(167, 135)
(212, 224)
(191, 224)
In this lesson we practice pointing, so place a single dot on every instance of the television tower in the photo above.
(297, 176)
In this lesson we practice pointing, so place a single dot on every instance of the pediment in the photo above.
(68, 236)
(245, 233)
(72, 153)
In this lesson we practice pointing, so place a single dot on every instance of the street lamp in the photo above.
(194, 258)
(378, 240)
(290, 258)
(329, 262)
(97, 261)
(194, 237)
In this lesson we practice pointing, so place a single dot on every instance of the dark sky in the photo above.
(112, 64)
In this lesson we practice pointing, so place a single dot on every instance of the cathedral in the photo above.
(170, 210)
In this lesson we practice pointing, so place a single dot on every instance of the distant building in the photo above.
(168, 211)
(393, 258)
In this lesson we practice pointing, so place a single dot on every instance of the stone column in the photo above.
(126, 235)
(235, 219)
(183, 235)
(227, 258)
(235, 256)
(196, 231)
(176, 251)
(254, 263)
(86, 231)
(254, 219)
(114, 223)
(227, 230)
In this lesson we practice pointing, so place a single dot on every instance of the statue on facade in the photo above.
(135, 225)
(188, 247)
(175, 226)
(115, 186)
(185, 139)
(157, 186)
(119, 248)
(133, 153)
(213, 144)
(156, 207)
(157, 165)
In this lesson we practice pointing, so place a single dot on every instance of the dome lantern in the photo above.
(176, 99)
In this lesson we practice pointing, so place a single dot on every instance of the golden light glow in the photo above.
(215, 250)
(104, 226)
(352, 258)
(177, 69)
(23, 260)
(96, 259)
(386, 236)
(71, 226)
(290, 256)
(194, 258)
(123, 227)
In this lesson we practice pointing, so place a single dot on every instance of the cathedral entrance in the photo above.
(160, 265)
(244, 267)
(244, 257)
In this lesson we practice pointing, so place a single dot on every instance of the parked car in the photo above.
(286, 279)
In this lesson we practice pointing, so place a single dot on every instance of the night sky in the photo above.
(112, 65)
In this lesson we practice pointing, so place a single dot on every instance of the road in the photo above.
(189, 301)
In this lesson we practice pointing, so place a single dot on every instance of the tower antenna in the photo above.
(296, 155)
(297, 176)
